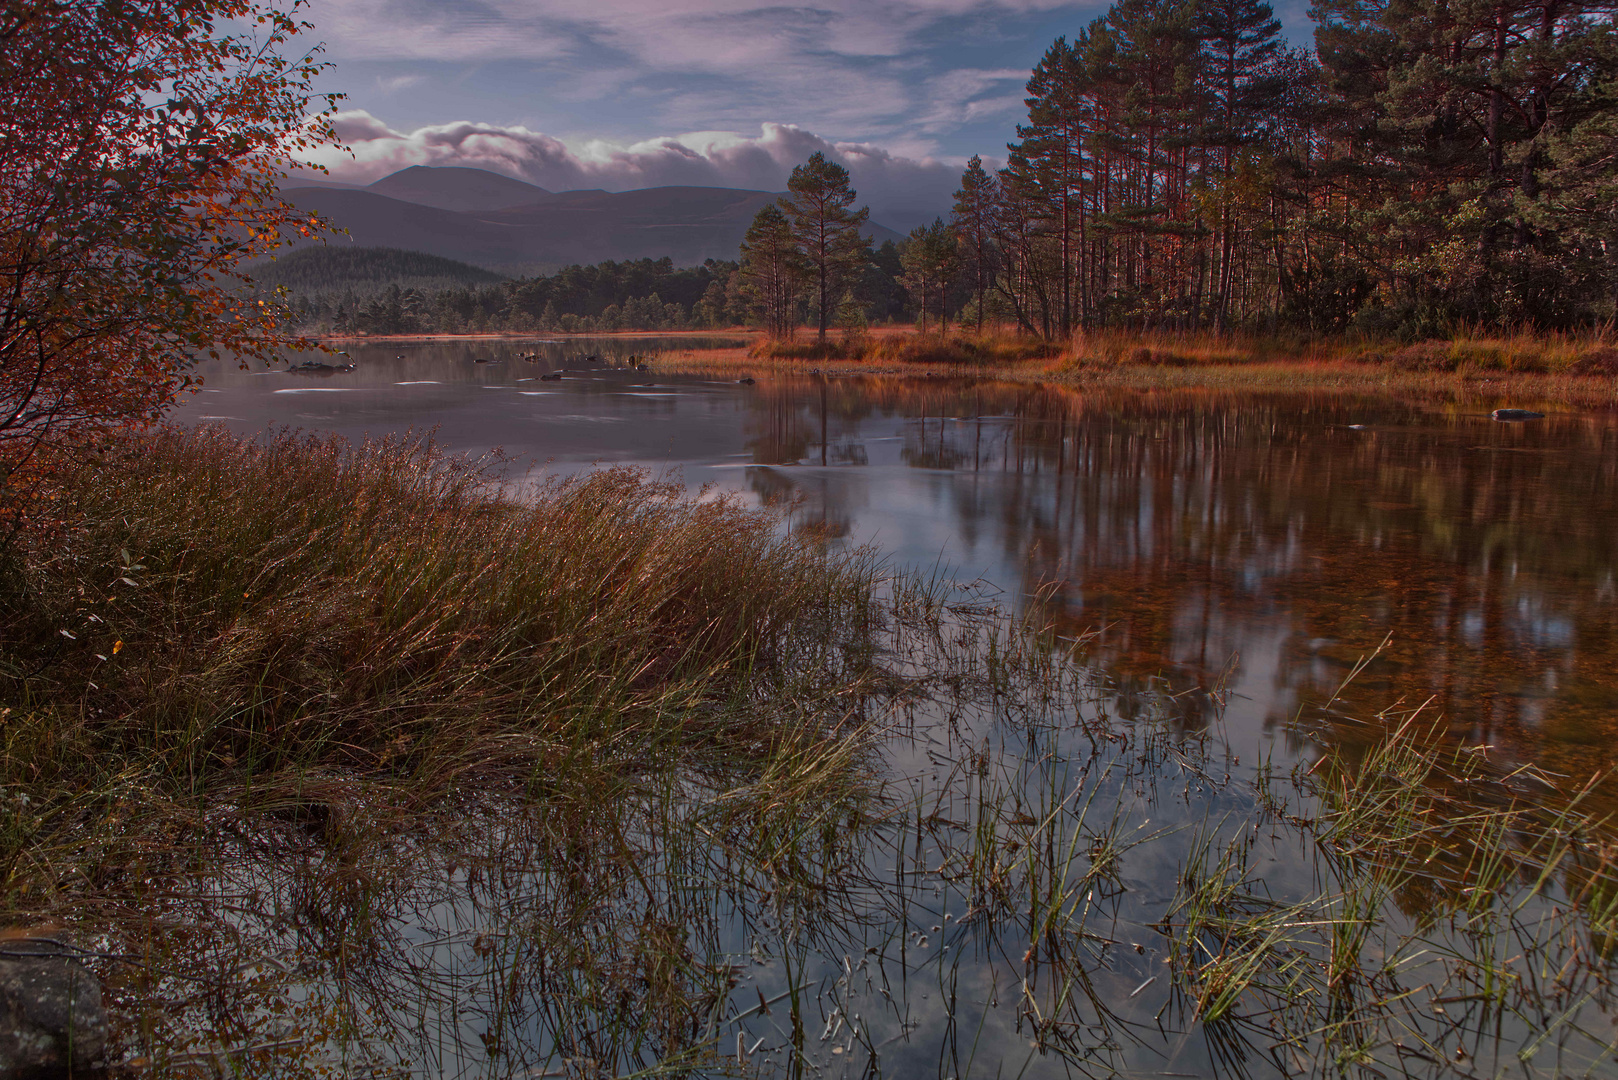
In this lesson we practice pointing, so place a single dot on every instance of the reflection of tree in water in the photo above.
(1184, 525)
(1190, 527)
(780, 432)
(815, 509)
(795, 417)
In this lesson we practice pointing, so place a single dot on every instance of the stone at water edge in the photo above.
(1517, 414)
(51, 1016)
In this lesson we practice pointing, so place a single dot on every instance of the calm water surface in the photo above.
(1025, 899)
(1258, 543)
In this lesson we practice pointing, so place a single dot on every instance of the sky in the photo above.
(623, 94)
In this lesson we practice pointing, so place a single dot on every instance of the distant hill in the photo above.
(686, 224)
(457, 189)
(339, 267)
(313, 181)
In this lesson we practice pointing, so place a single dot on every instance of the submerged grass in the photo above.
(341, 762)
(270, 621)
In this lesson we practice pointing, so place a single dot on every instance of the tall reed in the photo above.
(228, 607)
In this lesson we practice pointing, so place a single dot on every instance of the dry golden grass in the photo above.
(1566, 368)
(226, 609)
(913, 348)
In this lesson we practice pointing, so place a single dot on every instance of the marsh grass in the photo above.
(1469, 351)
(1513, 369)
(1107, 349)
(237, 608)
(678, 794)
(1478, 351)
(994, 348)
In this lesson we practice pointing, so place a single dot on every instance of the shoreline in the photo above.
(1267, 376)
(559, 335)
(1304, 374)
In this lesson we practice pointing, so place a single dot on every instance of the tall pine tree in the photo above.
(973, 220)
(827, 229)
(1240, 41)
(772, 271)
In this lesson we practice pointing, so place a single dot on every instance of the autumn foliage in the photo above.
(140, 144)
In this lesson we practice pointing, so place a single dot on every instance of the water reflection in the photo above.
(1248, 548)
(1291, 533)
(1022, 887)
(1041, 868)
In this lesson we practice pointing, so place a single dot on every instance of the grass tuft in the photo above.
(906, 348)
(227, 608)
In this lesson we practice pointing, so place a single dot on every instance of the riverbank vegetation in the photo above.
(228, 612)
(1570, 368)
(1002, 350)
(338, 758)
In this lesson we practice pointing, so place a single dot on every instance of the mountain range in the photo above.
(500, 223)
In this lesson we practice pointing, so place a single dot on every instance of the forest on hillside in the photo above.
(329, 268)
(384, 291)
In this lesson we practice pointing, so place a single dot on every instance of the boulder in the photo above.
(52, 1021)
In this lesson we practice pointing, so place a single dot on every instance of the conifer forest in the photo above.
(1430, 165)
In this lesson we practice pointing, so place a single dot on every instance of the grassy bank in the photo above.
(1569, 369)
(891, 347)
(249, 623)
(1523, 353)
(340, 761)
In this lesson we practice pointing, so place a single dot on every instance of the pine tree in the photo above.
(973, 220)
(1048, 163)
(1457, 107)
(1156, 65)
(710, 310)
(931, 258)
(772, 271)
(1240, 42)
(826, 229)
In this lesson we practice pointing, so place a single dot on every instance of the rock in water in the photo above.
(1517, 414)
(51, 1017)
